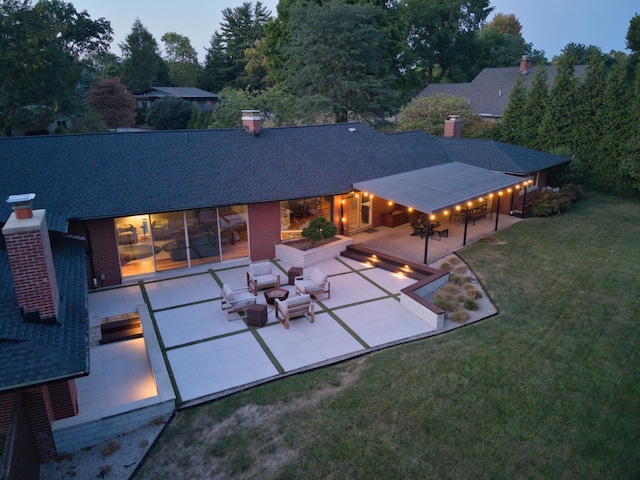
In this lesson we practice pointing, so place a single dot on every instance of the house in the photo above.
(118, 207)
(175, 199)
(43, 330)
(488, 93)
(201, 99)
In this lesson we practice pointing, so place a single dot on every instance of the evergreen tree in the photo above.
(534, 111)
(142, 66)
(225, 61)
(559, 124)
(616, 129)
(337, 64)
(510, 129)
(589, 131)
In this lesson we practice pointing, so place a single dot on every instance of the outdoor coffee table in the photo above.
(279, 293)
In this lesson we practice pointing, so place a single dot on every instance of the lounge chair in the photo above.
(294, 307)
(235, 300)
(262, 275)
(314, 284)
(418, 227)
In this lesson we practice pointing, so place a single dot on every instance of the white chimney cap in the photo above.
(352, 129)
(24, 197)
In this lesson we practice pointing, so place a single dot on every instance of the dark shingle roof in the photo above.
(488, 93)
(119, 174)
(184, 92)
(31, 353)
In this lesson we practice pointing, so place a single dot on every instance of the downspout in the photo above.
(89, 252)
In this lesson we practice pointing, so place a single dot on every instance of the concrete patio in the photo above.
(206, 356)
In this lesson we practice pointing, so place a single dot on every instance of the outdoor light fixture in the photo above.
(410, 209)
(433, 217)
(508, 190)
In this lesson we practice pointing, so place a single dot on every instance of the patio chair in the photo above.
(235, 300)
(314, 284)
(262, 275)
(294, 307)
(418, 227)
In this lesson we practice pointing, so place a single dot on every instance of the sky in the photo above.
(548, 24)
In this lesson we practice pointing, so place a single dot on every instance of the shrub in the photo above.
(550, 203)
(460, 270)
(459, 316)
(450, 289)
(318, 229)
(446, 266)
(573, 191)
(445, 302)
(456, 279)
(471, 291)
(455, 261)
(470, 304)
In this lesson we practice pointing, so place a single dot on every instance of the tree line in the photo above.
(327, 61)
(315, 61)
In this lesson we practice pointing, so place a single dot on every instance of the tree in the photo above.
(510, 129)
(112, 102)
(534, 111)
(170, 113)
(438, 32)
(559, 124)
(42, 47)
(225, 61)
(142, 65)
(501, 43)
(429, 114)
(182, 60)
(336, 62)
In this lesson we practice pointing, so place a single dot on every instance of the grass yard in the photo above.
(549, 388)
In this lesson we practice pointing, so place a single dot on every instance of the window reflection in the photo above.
(295, 215)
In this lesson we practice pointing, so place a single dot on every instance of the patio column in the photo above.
(498, 210)
(426, 244)
(466, 221)
(524, 199)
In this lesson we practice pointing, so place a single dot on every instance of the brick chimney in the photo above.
(251, 122)
(29, 251)
(525, 65)
(453, 127)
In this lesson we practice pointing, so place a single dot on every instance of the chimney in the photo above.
(453, 127)
(251, 122)
(31, 261)
(525, 65)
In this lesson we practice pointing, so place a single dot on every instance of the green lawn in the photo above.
(548, 388)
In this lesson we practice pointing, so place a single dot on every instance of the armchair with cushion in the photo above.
(235, 300)
(294, 307)
(314, 284)
(262, 275)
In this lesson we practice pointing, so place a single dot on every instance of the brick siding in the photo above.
(264, 234)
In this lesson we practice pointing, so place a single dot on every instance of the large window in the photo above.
(296, 214)
(163, 241)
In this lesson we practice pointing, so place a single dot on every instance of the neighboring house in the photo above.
(121, 206)
(488, 93)
(201, 99)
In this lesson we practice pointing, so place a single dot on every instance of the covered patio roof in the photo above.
(433, 189)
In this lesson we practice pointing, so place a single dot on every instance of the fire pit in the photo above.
(279, 293)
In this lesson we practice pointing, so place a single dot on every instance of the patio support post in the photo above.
(513, 192)
(426, 244)
(524, 199)
(466, 222)
(342, 217)
(498, 212)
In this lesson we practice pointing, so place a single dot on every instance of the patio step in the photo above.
(388, 262)
(120, 327)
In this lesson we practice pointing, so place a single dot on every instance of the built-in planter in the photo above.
(313, 256)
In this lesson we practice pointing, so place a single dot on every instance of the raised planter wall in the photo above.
(308, 258)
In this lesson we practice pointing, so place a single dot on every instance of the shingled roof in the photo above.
(31, 353)
(488, 93)
(184, 92)
(118, 174)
